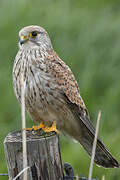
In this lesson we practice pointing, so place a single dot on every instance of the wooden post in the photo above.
(43, 155)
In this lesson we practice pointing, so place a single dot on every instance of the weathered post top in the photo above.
(43, 156)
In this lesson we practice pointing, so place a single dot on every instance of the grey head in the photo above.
(31, 36)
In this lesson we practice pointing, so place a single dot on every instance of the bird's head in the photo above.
(34, 36)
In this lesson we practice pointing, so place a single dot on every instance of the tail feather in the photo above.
(85, 135)
(102, 156)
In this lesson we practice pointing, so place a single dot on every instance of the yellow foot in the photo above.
(35, 128)
(28, 129)
(44, 128)
(50, 128)
(40, 126)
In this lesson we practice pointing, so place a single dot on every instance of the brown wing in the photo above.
(70, 89)
(69, 86)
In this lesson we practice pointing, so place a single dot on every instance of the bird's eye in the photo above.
(33, 34)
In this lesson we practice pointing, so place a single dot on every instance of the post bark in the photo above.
(43, 156)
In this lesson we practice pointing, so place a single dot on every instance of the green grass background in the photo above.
(86, 35)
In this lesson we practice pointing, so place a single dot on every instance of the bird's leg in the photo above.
(50, 128)
(35, 128)
(40, 126)
(44, 127)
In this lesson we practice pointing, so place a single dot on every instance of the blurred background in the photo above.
(86, 35)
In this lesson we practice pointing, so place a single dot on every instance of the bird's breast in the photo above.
(41, 92)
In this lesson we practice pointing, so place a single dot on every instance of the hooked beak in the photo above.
(23, 39)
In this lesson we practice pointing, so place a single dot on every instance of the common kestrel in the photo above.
(52, 95)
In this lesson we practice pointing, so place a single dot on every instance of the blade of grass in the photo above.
(103, 177)
(23, 127)
(94, 146)
(21, 173)
(77, 178)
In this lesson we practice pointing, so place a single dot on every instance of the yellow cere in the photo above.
(23, 37)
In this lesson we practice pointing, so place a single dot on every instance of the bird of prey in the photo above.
(52, 96)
